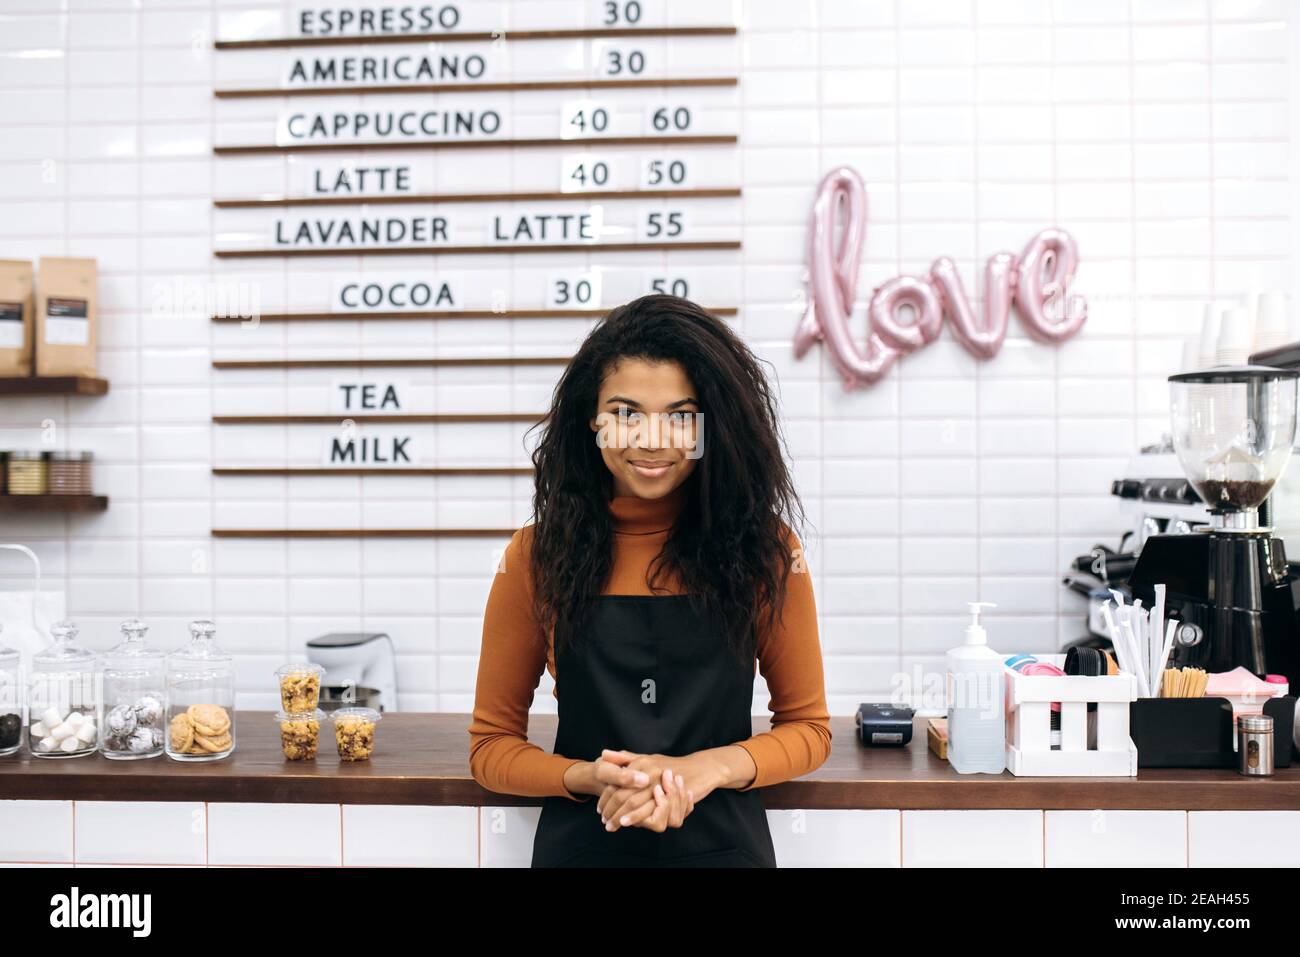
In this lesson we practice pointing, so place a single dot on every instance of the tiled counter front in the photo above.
(183, 834)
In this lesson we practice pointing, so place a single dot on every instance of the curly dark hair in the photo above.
(730, 547)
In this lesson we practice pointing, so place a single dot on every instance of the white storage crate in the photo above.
(1029, 724)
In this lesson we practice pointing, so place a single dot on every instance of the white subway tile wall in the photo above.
(1158, 134)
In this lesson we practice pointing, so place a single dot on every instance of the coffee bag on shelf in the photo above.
(15, 317)
(65, 316)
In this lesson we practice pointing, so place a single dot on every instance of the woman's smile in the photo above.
(651, 468)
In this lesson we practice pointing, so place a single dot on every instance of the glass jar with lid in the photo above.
(135, 695)
(200, 698)
(11, 702)
(63, 698)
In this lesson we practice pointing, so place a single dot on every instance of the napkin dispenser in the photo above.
(884, 724)
(1200, 732)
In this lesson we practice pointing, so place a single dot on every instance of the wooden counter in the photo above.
(422, 759)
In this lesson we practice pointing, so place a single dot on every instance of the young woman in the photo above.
(660, 567)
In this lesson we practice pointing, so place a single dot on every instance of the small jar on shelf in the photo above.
(68, 473)
(135, 692)
(200, 698)
(26, 473)
(63, 698)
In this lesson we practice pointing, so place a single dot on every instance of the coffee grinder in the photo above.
(1229, 582)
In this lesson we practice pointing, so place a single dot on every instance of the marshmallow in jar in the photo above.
(135, 695)
(63, 698)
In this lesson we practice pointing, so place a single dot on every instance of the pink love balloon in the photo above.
(833, 258)
(1045, 270)
(1038, 279)
(897, 293)
(983, 339)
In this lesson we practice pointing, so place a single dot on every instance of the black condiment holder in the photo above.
(1200, 732)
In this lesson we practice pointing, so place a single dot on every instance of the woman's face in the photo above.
(647, 424)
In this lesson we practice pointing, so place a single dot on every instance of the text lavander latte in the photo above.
(557, 227)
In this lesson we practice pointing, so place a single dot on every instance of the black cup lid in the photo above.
(1222, 374)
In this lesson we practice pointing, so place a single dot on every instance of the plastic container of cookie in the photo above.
(299, 733)
(299, 686)
(354, 732)
(200, 698)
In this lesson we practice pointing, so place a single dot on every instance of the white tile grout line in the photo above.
(976, 291)
(139, 338)
(898, 265)
(1214, 266)
(1056, 351)
(1133, 206)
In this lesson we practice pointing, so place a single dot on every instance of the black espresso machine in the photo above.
(1229, 583)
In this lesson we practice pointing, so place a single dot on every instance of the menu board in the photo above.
(456, 186)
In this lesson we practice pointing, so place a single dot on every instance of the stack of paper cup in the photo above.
(1209, 335)
(1235, 338)
(1271, 327)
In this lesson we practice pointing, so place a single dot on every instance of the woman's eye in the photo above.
(627, 414)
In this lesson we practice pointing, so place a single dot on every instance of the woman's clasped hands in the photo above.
(665, 799)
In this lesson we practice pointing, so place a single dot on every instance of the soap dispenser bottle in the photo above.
(976, 692)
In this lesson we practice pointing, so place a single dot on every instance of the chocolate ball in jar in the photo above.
(135, 692)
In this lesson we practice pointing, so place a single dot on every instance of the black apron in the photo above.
(648, 675)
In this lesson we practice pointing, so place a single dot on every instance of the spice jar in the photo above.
(1255, 744)
(68, 473)
(64, 698)
(11, 702)
(200, 698)
(26, 474)
(354, 733)
(135, 692)
(299, 733)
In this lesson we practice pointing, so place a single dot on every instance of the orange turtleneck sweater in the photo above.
(513, 655)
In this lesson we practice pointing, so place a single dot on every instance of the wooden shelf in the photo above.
(475, 362)
(504, 248)
(53, 503)
(409, 315)
(439, 199)
(363, 532)
(53, 385)
(354, 39)
(448, 418)
(551, 142)
(518, 86)
(274, 471)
